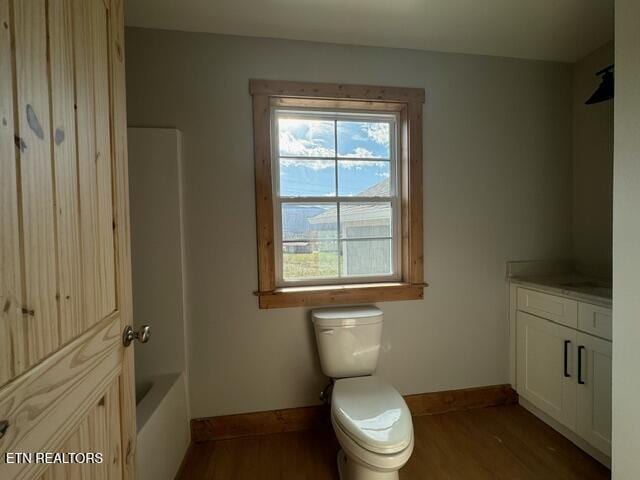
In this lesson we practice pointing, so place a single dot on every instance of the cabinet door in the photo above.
(545, 372)
(594, 392)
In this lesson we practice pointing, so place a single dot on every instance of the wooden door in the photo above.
(543, 376)
(594, 393)
(66, 381)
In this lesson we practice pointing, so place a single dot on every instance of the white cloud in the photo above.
(306, 138)
(290, 145)
(314, 138)
(378, 132)
(370, 133)
(311, 163)
(315, 164)
(361, 152)
(360, 164)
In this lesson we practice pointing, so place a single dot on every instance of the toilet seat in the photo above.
(375, 462)
(373, 414)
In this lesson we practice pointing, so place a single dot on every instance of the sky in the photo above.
(309, 139)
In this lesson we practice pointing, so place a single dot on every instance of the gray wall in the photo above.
(497, 137)
(626, 245)
(156, 251)
(592, 168)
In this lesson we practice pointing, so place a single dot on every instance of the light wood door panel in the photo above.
(594, 395)
(103, 159)
(66, 381)
(66, 235)
(94, 434)
(12, 339)
(541, 367)
(43, 406)
(63, 127)
(33, 130)
(87, 171)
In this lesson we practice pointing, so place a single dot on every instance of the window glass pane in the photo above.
(364, 220)
(306, 137)
(366, 257)
(363, 139)
(311, 259)
(364, 178)
(307, 178)
(302, 221)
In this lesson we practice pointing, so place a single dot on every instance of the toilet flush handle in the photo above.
(327, 331)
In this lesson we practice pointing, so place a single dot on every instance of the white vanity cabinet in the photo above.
(545, 360)
(593, 422)
(562, 354)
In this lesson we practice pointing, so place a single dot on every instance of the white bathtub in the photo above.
(163, 427)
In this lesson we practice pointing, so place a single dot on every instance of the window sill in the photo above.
(340, 294)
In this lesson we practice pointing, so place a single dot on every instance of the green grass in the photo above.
(309, 265)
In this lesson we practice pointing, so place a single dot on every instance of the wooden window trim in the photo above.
(408, 103)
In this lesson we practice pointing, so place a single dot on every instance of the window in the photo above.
(336, 201)
(338, 193)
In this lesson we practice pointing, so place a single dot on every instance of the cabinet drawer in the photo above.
(595, 320)
(557, 309)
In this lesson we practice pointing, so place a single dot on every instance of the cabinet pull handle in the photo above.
(580, 380)
(566, 357)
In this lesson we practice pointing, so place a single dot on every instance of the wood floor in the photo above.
(489, 443)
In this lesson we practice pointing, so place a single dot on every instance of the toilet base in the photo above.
(351, 470)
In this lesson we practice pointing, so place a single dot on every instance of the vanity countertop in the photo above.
(570, 285)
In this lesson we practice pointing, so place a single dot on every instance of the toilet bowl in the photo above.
(373, 426)
(371, 420)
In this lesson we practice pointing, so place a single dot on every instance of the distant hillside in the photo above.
(296, 221)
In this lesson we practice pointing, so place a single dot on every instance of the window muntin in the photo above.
(336, 197)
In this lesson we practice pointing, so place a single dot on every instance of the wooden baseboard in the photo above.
(259, 423)
(465, 399)
(307, 418)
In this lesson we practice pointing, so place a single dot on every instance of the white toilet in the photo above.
(370, 418)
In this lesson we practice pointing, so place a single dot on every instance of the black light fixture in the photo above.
(605, 89)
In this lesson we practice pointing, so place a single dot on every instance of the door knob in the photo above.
(142, 335)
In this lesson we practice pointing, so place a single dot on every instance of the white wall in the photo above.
(156, 251)
(626, 245)
(592, 168)
(497, 137)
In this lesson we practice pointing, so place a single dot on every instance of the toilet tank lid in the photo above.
(346, 316)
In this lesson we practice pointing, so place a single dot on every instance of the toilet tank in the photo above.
(348, 340)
